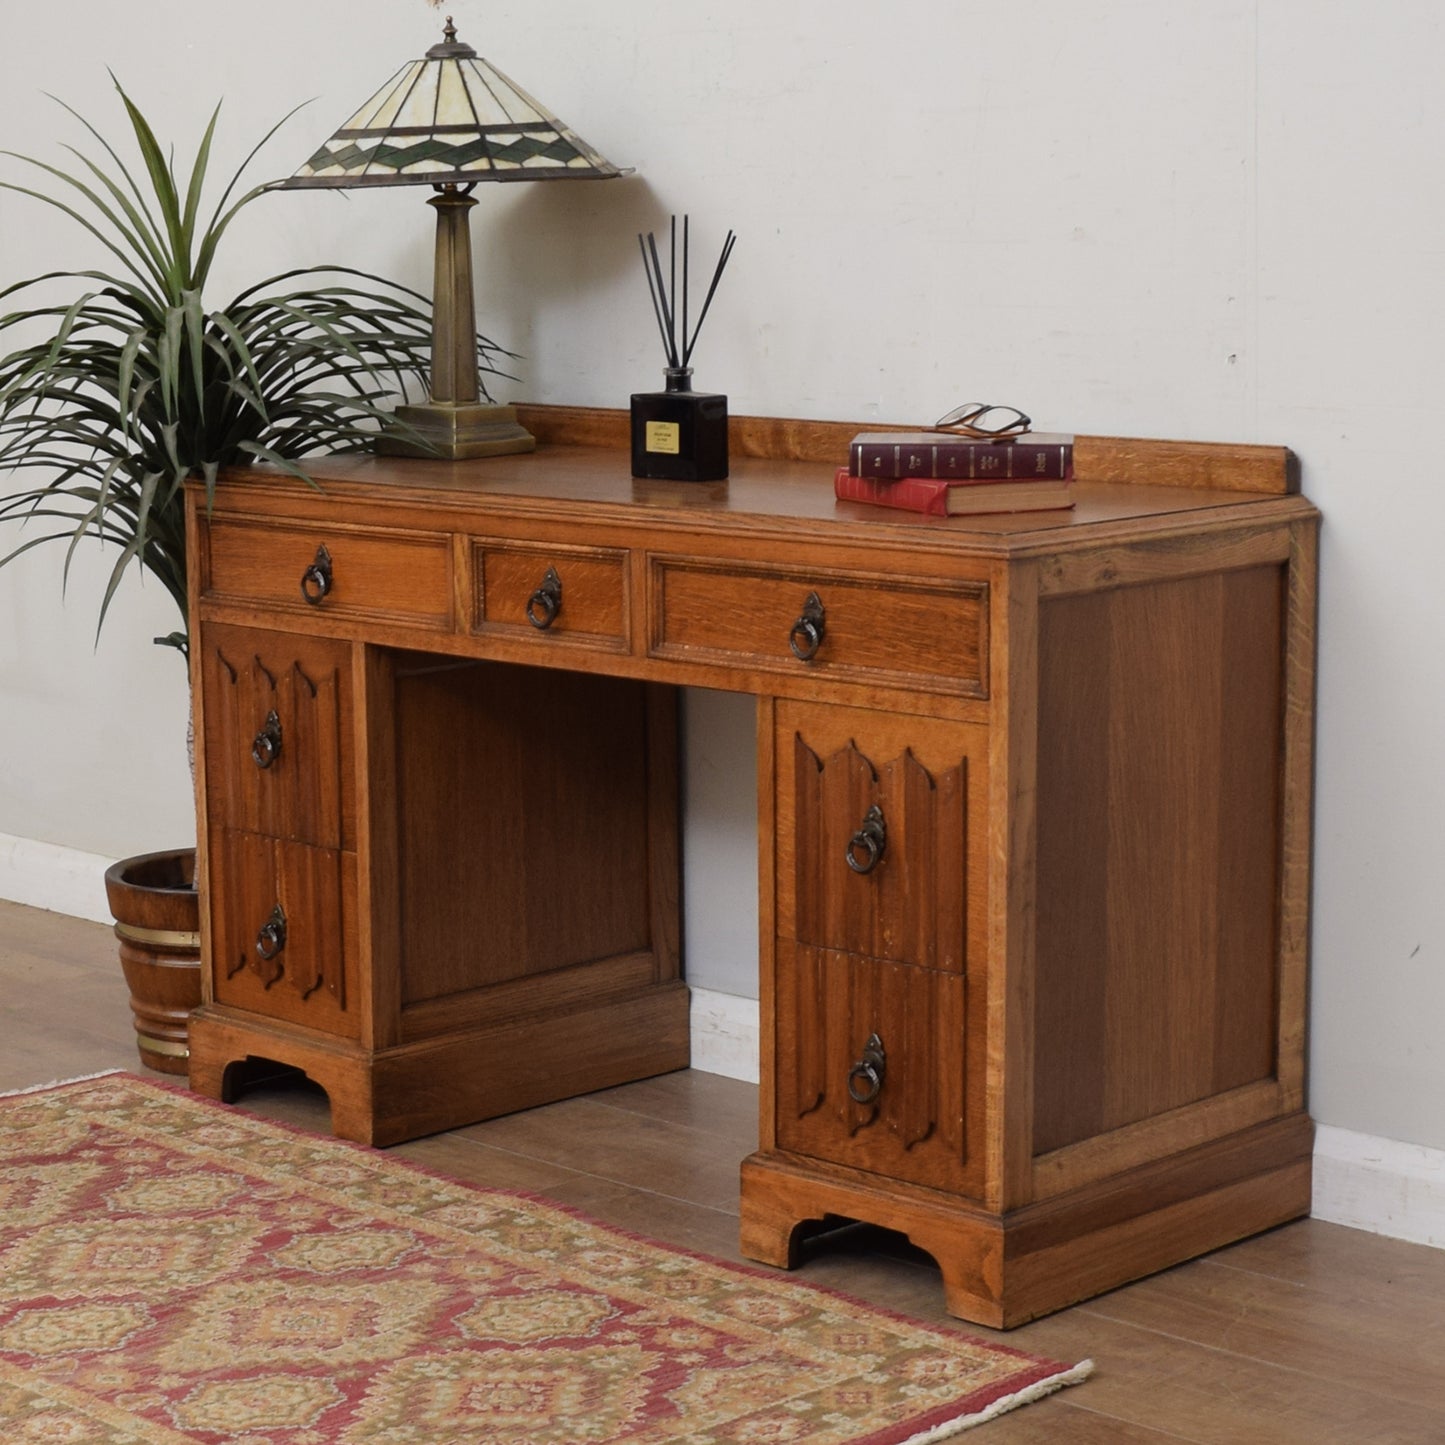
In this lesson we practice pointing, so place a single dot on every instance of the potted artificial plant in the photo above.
(126, 384)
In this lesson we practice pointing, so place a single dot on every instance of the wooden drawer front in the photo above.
(310, 976)
(587, 588)
(383, 575)
(874, 630)
(277, 735)
(830, 1005)
(881, 843)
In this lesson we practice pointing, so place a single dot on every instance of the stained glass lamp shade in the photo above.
(450, 121)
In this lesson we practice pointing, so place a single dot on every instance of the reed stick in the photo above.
(662, 286)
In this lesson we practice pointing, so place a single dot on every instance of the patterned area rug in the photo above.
(172, 1270)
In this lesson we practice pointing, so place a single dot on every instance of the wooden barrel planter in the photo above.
(157, 920)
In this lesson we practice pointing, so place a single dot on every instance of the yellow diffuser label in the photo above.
(664, 436)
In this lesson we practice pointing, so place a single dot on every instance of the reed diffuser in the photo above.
(678, 434)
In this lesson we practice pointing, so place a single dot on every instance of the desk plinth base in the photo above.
(1003, 1270)
(389, 1095)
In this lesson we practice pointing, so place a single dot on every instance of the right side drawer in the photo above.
(874, 1066)
(882, 834)
(918, 634)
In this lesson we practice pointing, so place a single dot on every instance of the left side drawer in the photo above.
(283, 930)
(339, 571)
(278, 735)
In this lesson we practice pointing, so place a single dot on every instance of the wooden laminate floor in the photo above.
(1312, 1333)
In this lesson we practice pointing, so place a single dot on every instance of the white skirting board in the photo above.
(724, 1032)
(60, 880)
(1380, 1185)
(1361, 1181)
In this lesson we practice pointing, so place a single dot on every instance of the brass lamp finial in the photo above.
(450, 47)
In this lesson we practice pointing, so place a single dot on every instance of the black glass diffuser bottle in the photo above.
(678, 434)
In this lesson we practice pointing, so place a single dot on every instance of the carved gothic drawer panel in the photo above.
(576, 595)
(357, 572)
(881, 837)
(855, 627)
(871, 1067)
(277, 734)
(282, 925)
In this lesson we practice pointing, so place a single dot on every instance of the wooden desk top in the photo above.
(782, 475)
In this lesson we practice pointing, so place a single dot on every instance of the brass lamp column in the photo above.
(455, 423)
(454, 376)
(450, 121)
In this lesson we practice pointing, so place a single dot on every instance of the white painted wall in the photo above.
(1217, 220)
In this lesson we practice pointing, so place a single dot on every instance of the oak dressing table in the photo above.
(1033, 824)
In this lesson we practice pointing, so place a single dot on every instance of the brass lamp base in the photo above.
(456, 431)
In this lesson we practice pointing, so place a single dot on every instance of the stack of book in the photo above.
(946, 475)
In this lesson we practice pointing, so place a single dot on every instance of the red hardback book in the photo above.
(952, 499)
(1034, 456)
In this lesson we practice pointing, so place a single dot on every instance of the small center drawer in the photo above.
(849, 626)
(385, 575)
(573, 594)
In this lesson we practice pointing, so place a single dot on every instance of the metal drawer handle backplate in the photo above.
(272, 937)
(316, 579)
(267, 746)
(807, 635)
(865, 1078)
(865, 847)
(545, 603)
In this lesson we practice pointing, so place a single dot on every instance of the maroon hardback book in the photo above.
(939, 498)
(1034, 456)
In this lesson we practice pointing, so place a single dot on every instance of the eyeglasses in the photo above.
(984, 419)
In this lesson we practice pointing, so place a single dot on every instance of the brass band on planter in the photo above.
(168, 1047)
(161, 937)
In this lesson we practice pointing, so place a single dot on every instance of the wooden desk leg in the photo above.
(221, 1049)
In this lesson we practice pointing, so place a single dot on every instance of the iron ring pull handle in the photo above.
(546, 602)
(267, 746)
(865, 1078)
(316, 579)
(865, 847)
(272, 937)
(807, 635)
